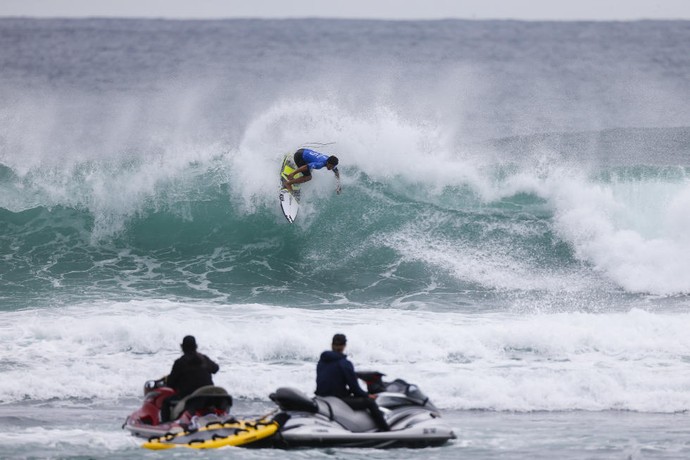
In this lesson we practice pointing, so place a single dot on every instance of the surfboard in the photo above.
(289, 201)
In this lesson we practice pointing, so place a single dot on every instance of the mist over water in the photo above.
(511, 233)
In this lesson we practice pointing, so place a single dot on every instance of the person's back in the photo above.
(314, 159)
(191, 371)
(335, 376)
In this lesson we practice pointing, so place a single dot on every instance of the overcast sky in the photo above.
(374, 9)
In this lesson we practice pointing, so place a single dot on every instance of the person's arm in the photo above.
(172, 379)
(301, 169)
(290, 181)
(351, 379)
(211, 365)
(338, 188)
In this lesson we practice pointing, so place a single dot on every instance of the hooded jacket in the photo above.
(335, 376)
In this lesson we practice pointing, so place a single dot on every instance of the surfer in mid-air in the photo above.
(306, 160)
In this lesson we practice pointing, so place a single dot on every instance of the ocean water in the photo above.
(512, 232)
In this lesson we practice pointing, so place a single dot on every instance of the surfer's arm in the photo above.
(301, 169)
(288, 183)
(338, 188)
(290, 180)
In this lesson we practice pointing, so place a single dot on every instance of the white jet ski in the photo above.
(327, 421)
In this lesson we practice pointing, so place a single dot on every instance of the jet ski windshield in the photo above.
(412, 395)
(410, 390)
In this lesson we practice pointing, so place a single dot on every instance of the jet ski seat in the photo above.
(357, 421)
(331, 407)
(206, 397)
(292, 399)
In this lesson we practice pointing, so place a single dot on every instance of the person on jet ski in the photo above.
(335, 376)
(190, 372)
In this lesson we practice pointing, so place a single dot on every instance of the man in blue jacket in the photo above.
(306, 160)
(335, 376)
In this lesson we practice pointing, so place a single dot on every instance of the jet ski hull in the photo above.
(426, 434)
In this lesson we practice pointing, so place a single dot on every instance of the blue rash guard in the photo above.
(314, 159)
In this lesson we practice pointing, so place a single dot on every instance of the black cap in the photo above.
(189, 343)
(339, 339)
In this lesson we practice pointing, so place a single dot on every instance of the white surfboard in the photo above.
(289, 201)
(289, 205)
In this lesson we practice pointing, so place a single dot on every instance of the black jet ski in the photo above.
(327, 421)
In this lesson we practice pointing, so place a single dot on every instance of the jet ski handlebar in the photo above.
(151, 385)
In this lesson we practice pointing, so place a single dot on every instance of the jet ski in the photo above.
(201, 420)
(327, 421)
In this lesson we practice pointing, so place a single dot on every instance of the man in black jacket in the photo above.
(335, 376)
(191, 371)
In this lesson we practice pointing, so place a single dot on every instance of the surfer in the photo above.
(306, 160)
(335, 376)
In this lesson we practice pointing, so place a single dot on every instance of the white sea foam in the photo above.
(113, 159)
(632, 361)
(376, 141)
(630, 233)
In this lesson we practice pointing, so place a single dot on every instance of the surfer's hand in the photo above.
(338, 189)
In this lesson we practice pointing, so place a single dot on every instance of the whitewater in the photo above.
(511, 236)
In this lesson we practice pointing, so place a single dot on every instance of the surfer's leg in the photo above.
(299, 180)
